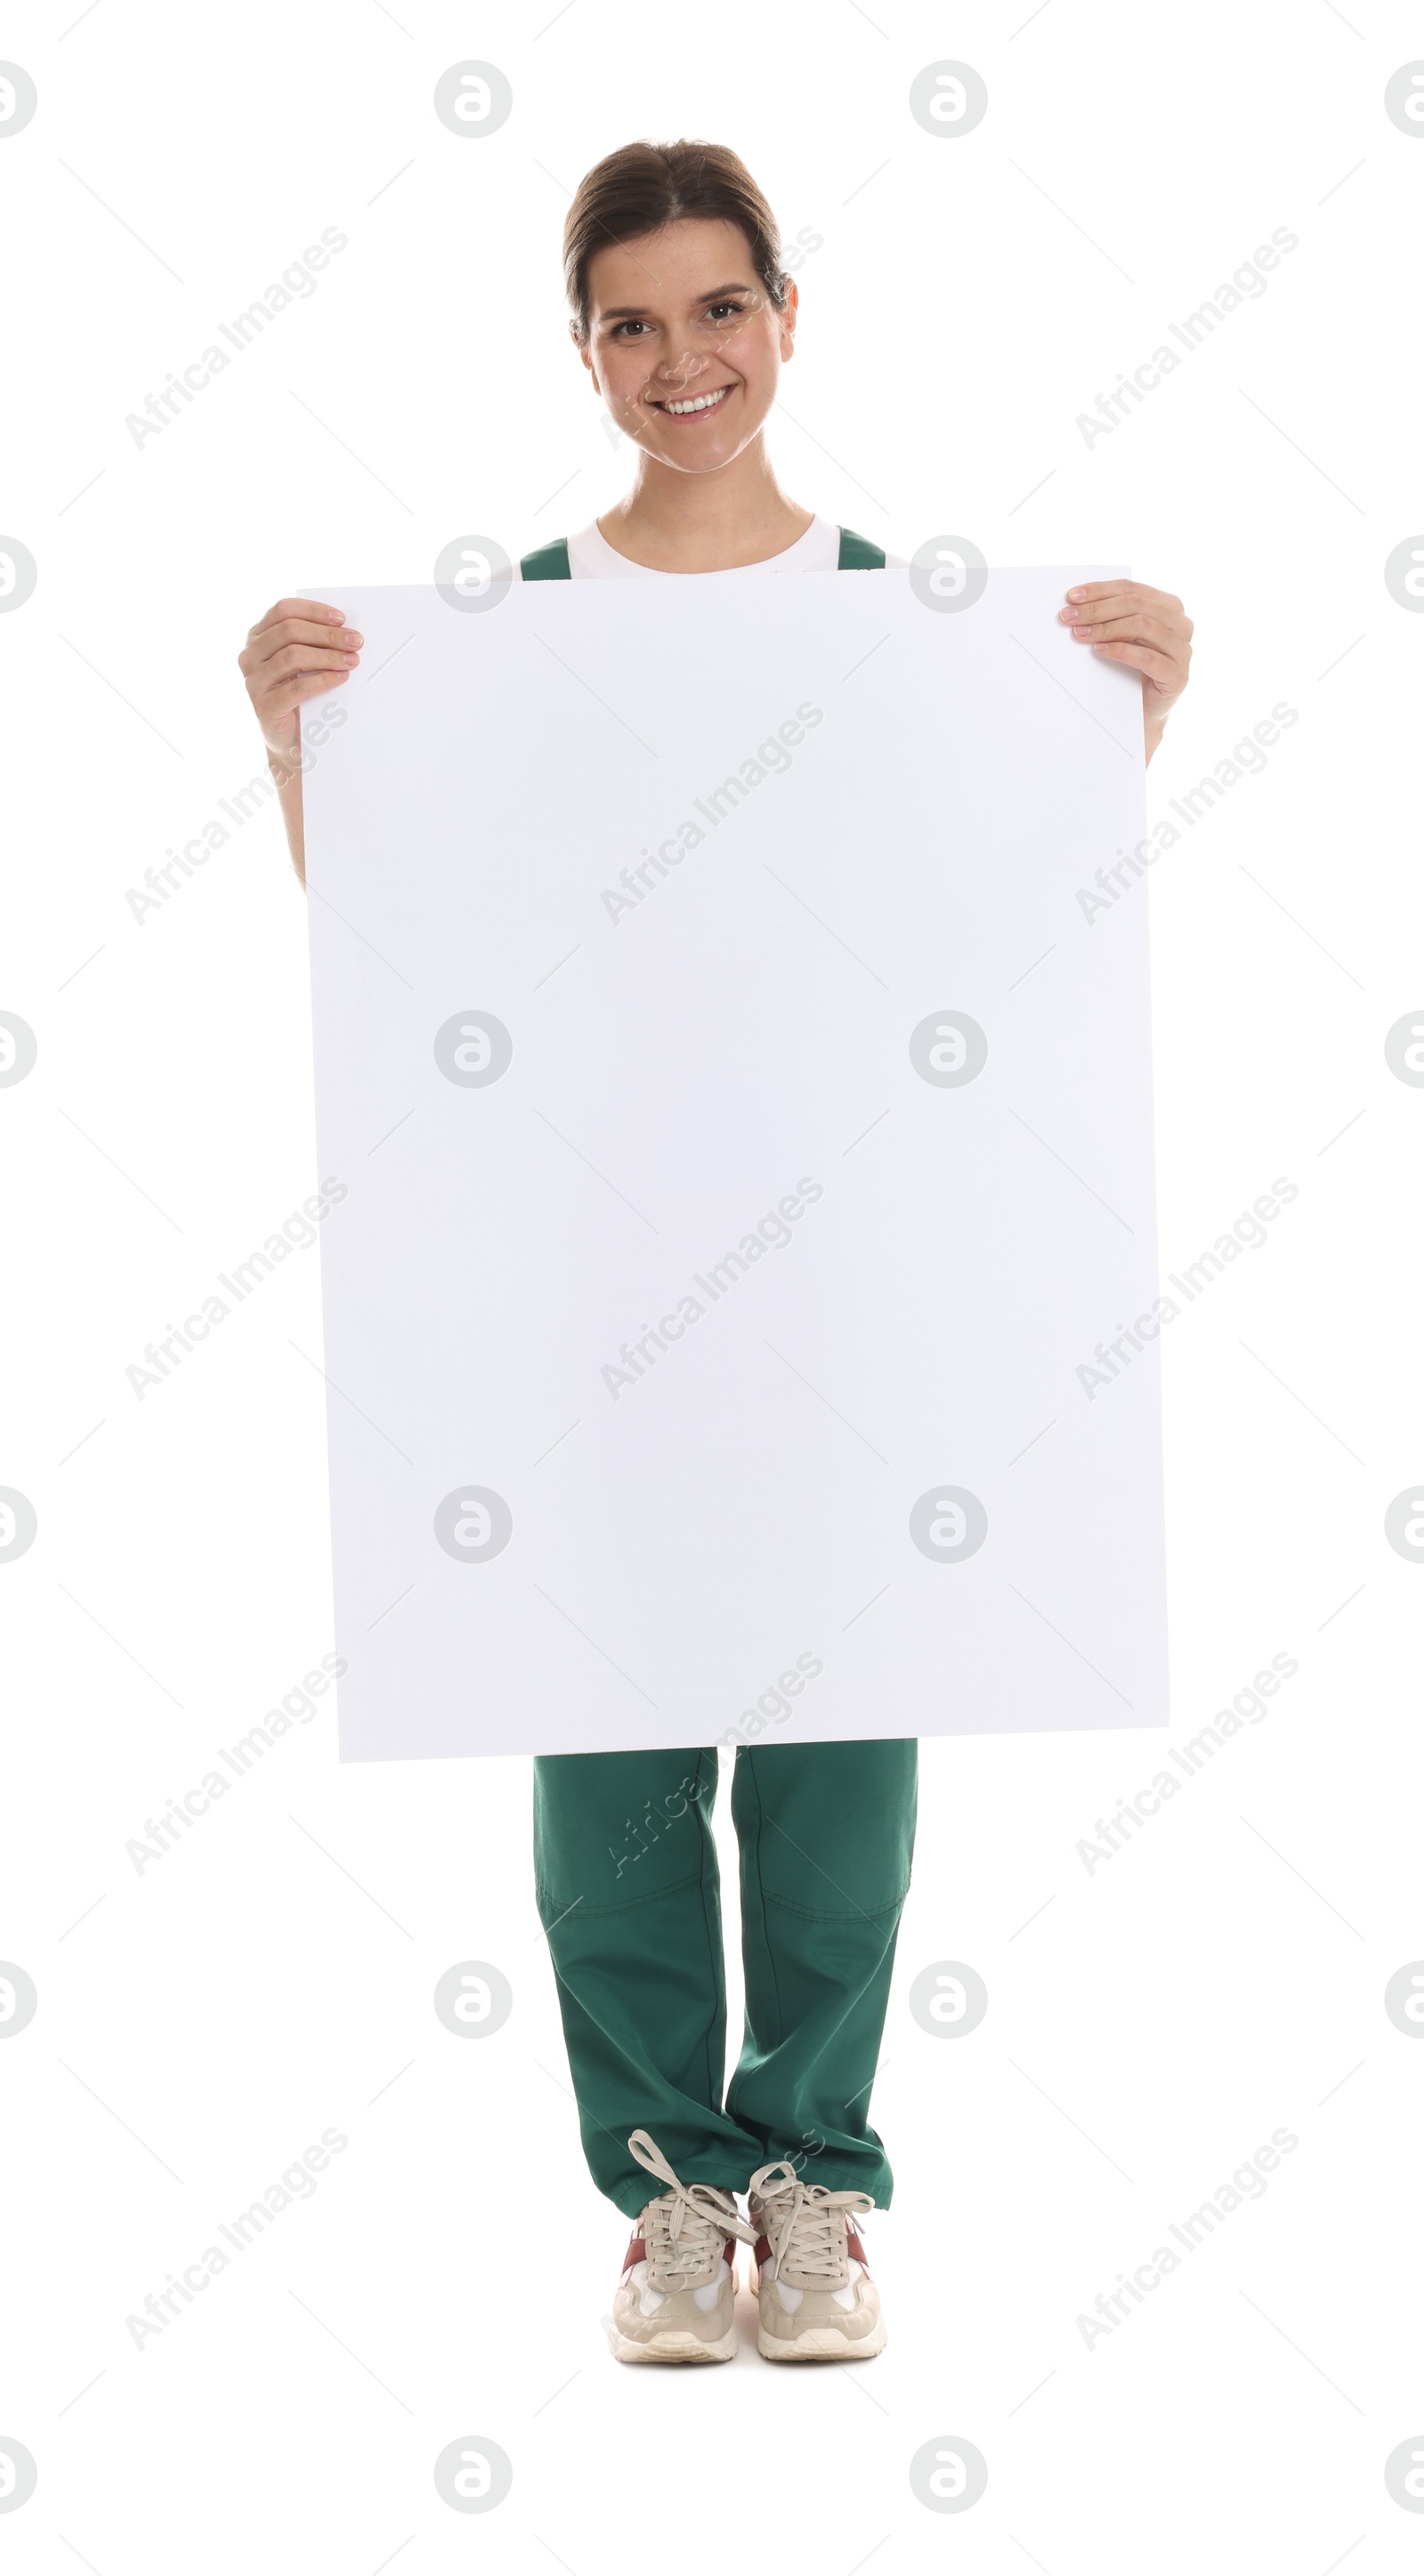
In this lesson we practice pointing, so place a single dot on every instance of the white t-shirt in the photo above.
(592, 558)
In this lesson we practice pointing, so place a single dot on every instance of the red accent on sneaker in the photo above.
(761, 2251)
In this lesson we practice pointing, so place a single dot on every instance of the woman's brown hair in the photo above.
(644, 186)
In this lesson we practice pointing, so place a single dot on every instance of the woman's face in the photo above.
(684, 344)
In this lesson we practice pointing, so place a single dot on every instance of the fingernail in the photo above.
(1082, 630)
(353, 658)
(337, 616)
(351, 637)
(1081, 593)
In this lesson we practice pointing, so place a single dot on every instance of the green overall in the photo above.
(627, 1886)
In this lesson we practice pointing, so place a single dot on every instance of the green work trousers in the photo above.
(627, 1886)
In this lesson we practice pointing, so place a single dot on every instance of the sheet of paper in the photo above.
(740, 1316)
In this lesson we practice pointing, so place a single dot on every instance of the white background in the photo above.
(1148, 2025)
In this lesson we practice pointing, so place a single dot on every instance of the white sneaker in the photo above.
(677, 2298)
(816, 2298)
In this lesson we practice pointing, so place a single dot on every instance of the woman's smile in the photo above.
(691, 406)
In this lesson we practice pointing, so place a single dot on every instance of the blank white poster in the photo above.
(740, 1321)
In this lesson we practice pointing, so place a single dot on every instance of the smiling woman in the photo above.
(684, 316)
(683, 313)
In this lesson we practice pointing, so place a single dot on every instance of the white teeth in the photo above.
(701, 402)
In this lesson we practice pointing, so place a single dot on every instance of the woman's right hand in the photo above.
(301, 649)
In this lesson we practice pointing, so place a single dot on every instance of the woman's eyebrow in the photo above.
(636, 312)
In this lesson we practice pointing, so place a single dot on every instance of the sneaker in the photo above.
(816, 2298)
(677, 2298)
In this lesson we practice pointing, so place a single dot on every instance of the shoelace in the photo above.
(803, 2223)
(685, 2230)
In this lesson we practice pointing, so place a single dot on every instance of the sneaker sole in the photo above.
(674, 2347)
(822, 2343)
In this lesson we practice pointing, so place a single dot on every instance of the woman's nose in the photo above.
(680, 371)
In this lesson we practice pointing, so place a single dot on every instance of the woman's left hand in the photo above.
(1127, 621)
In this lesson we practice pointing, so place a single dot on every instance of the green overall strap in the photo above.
(857, 554)
(551, 562)
(547, 563)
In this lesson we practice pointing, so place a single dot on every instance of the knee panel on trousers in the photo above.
(829, 1828)
(612, 1830)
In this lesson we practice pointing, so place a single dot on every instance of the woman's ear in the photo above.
(787, 319)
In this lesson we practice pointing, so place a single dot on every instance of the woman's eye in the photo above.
(719, 312)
